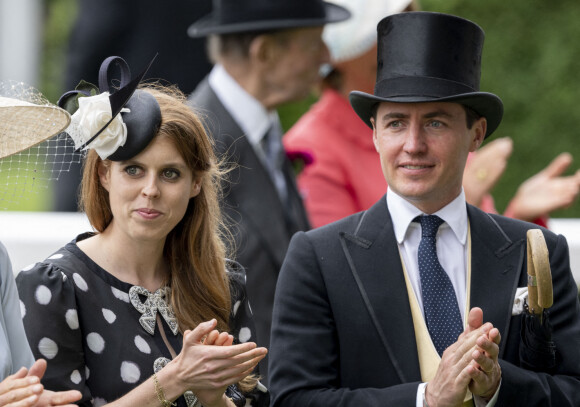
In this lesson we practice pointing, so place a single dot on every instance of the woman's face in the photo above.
(149, 193)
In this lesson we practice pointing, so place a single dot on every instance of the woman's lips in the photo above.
(148, 213)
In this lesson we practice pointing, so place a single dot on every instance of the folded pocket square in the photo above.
(519, 300)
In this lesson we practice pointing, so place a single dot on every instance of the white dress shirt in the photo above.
(254, 120)
(451, 242)
(451, 252)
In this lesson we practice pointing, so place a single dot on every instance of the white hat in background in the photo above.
(352, 38)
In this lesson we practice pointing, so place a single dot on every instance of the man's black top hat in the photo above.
(429, 57)
(234, 16)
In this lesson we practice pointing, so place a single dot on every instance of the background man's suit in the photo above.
(345, 283)
(262, 227)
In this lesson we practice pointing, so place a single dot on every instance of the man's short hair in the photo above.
(471, 116)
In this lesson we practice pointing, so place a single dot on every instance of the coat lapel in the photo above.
(496, 264)
(373, 257)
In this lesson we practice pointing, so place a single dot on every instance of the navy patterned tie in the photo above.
(439, 301)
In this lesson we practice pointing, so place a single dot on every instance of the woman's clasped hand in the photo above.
(23, 389)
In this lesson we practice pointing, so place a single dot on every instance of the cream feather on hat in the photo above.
(351, 38)
(24, 124)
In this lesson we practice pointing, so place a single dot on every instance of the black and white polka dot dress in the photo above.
(86, 324)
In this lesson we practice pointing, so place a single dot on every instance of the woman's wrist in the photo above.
(160, 393)
(169, 379)
(224, 401)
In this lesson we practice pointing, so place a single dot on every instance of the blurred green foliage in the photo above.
(59, 17)
(531, 60)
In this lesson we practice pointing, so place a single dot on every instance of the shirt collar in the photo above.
(403, 213)
(249, 114)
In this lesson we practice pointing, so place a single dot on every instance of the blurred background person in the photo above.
(345, 175)
(266, 53)
(547, 191)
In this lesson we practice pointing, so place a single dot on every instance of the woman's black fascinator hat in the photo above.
(117, 122)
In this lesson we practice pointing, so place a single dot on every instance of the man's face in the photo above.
(294, 71)
(423, 149)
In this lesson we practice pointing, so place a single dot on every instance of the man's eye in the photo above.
(394, 124)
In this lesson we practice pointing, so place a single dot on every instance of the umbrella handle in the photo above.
(539, 273)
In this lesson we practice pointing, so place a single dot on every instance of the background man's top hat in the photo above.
(235, 16)
(429, 57)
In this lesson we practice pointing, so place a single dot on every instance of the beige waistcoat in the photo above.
(429, 359)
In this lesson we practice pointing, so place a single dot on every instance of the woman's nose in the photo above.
(151, 189)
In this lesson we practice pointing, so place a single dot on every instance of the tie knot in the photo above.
(429, 225)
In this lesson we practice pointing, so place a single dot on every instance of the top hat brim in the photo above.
(485, 104)
(210, 24)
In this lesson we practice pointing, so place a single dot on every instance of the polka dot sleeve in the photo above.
(242, 328)
(241, 321)
(52, 326)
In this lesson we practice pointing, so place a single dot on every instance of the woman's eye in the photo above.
(132, 170)
(170, 174)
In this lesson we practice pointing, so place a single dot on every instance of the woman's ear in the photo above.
(104, 171)
(195, 188)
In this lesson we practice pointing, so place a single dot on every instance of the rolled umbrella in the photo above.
(538, 351)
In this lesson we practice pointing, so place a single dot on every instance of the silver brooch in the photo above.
(154, 302)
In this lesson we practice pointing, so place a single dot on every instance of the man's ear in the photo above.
(104, 171)
(265, 49)
(478, 131)
(262, 49)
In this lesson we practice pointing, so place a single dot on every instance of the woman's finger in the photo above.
(59, 398)
(38, 368)
(222, 339)
(203, 329)
(17, 381)
(211, 338)
(21, 396)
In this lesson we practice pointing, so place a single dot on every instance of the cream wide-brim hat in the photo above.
(352, 38)
(24, 125)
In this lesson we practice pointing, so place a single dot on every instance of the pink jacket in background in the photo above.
(345, 176)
